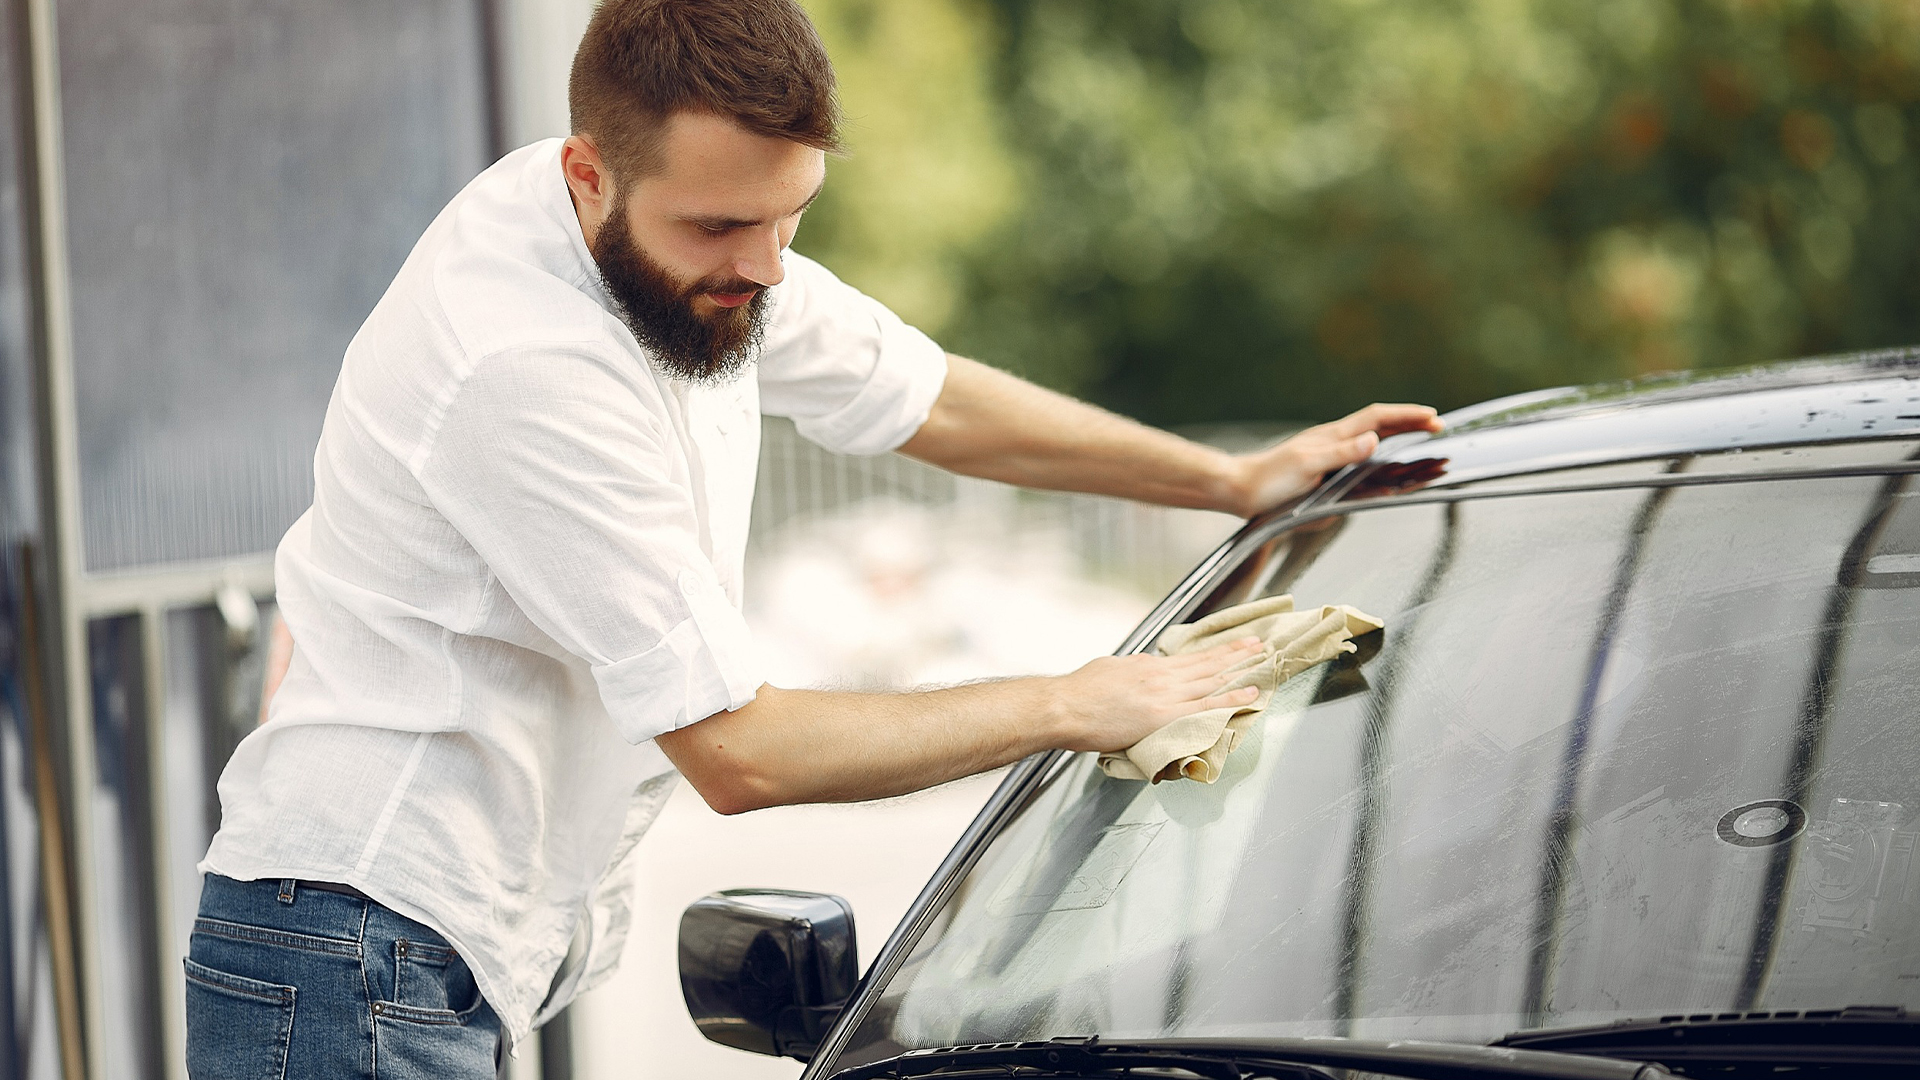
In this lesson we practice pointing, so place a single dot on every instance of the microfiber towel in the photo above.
(1196, 745)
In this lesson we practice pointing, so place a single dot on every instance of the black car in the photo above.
(1631, 776)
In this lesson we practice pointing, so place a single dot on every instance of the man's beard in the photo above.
(703, 349)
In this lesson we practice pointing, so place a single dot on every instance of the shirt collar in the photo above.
(551, 195)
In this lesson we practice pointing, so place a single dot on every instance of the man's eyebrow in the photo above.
(817, 189)
(718, 223)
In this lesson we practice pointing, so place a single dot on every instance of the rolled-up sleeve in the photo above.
(852, 376)
(550, 465)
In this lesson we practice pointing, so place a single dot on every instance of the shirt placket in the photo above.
(711, 416)
(696, 441)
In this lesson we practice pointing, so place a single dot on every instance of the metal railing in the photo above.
(1144, 548)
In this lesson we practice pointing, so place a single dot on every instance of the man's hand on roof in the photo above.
(989, 423)
(1294, 466)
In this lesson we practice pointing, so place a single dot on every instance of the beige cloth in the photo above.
(1196, 745)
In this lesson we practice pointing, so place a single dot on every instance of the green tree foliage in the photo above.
(1259, 209)
(930, 182)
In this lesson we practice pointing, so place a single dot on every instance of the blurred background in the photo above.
(1228, 217)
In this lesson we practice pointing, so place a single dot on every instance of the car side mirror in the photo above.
(767, 970)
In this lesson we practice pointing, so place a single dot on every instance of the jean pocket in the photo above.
(431, 1044)
(431, 983)
(439, 1025)
(237, 1028)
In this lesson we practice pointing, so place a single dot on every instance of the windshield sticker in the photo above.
(1091, 885)
(1762, 824)
(1849, 856)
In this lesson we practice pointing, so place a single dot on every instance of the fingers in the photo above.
(1385, 420)
(1361, 447)
(1218, 657)
(1222, 664)
(1229, 699)
(1353, 438)
(1206, 666)
(1204, 688)
(1324, 457)
(1207, 680)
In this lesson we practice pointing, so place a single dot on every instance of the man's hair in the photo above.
(758, 63)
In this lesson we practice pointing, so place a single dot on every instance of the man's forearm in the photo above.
(990, 424)
(987, 423)
(808, 746)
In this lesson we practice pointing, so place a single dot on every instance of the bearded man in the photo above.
(516, 598)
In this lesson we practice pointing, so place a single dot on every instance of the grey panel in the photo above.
(27, 1045)
(16, 413)
(243, 179)
(121, 811)
(213, 687)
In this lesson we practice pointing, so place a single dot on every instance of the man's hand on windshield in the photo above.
(1119, 700)
(1289, 469)
(802, 746)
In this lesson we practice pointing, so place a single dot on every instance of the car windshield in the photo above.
(1625, 752)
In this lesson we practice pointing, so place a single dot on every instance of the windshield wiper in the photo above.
(1250, 1059)
(1855, 1035)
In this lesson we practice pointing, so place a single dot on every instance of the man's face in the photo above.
(688, 251)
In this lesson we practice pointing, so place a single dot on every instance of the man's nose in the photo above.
(759, 262)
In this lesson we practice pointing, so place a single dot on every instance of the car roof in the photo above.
(1840, 399)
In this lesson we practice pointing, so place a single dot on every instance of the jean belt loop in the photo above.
(286, 890)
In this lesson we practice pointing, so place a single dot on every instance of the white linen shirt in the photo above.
(522, 563)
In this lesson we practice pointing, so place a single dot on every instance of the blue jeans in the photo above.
(289, 983)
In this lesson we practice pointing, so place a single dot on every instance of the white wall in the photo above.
(538, 39)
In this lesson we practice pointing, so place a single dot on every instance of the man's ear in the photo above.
(589, 180)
